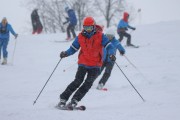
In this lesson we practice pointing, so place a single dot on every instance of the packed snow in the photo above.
(156, 77)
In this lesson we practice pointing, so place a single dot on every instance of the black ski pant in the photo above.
(108, 68)
(37, 26)
(34, 24)
(71, 28)
(92, 74)
(125, 34)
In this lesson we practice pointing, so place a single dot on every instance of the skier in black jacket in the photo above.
(36, 23)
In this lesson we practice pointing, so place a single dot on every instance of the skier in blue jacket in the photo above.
(72, 23)
(107, 63)
(5, 28)
(123, 27)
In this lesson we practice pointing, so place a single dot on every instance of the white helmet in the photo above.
(66, 8)
(110, 32)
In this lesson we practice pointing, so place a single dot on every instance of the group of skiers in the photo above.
(5, 28)
(71, 19)
(97, 51)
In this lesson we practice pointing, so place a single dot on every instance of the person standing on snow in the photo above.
(72, 22)
(90, 42)
(5, 28)
(107, 63)
(123, 27)
(36, 23)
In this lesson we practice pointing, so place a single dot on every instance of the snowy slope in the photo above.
(157, 79)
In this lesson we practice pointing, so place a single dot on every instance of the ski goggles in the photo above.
(88, 28)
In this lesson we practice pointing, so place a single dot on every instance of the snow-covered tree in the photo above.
(109, 9)
(52, 12)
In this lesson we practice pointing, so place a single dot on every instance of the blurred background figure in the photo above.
(72, 20)
(123, 27)
(5, 28)
(36, 23)
(107, 63)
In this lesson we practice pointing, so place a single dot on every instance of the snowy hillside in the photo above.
(157, 79)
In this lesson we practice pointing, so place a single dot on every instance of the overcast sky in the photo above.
(152, 11)
(158, 10)
(16, 15)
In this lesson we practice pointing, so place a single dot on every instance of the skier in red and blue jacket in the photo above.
(90, 42)
(123, 27)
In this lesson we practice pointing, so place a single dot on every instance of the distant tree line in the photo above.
(52, 13)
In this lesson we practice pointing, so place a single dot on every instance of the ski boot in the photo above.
(4, 61)
(72, 104)
(100, 86)
(62, 103)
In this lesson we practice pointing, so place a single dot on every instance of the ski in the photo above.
(103, 89)
(137, 46)
(133, 46)
(62, 41)
(81, 108)
(145, 45)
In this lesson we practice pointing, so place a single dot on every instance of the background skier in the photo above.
(107, 63)
(5, 28)
(123, 27)
(72, 23)
(36, 23)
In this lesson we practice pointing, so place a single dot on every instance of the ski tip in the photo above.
(34, 102)
(82, 107)
(105, 89)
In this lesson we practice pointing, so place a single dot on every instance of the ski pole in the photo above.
(135, 67)
(130, 82)
(47, 82)
(130, 62)
(14, 51)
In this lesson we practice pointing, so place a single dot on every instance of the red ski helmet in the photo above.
(88, 21)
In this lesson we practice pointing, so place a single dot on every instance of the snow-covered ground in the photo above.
(157, 79)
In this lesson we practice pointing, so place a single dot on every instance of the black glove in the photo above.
(133, 28)
(112, 57)
(63, 54)
(122, 52)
